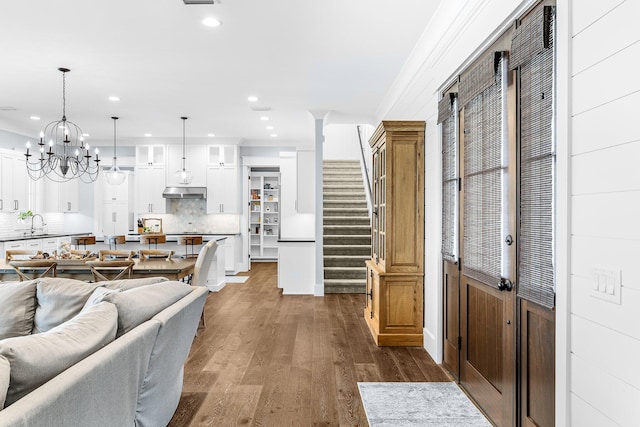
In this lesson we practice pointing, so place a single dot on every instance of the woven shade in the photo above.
(478, 78)
(482, 206)
(532, 36)
(536, 275)
(445, 107)
(449, 185)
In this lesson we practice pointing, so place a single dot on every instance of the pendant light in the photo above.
(183, 176)
(115, 176)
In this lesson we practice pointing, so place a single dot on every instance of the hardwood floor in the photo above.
(265, 359)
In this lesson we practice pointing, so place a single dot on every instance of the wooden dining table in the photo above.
(172, 269)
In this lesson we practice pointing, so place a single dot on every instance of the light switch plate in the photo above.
(606, 284)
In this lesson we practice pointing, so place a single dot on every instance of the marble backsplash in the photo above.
(190, 216)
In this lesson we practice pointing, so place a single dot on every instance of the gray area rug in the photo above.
(419, 404)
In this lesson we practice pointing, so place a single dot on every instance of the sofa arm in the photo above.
(162, 386)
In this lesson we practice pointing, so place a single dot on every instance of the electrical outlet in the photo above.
(606, 284)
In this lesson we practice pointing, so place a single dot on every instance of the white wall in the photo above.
(341, 143)
(605, 204)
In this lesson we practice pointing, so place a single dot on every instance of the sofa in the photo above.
(94, 354)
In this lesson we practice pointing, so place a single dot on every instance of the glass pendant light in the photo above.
(183, 176)
(115, 176)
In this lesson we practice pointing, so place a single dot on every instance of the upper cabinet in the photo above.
(149, 185)
(196, 162)
(151, 155)
(14, 185)
(62, 196)
(222, 155)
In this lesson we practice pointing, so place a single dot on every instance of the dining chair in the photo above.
(144, 254)
(111, 270)
(37, 268)
(108, 254)
(202, 267)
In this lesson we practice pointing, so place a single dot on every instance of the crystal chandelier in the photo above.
(115, 176)
(183, 176)
(65, 156)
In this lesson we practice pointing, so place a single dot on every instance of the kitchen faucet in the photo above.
(33, 229)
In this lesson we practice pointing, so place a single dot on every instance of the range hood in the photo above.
(185, 193)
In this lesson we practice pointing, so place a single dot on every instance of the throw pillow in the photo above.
(125, 284)
(35, 359)
(141, 304)
(18, 302)
(5, 369)
(96, 297)
(59, 300)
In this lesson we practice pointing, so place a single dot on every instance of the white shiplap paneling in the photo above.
(598, 344)
(606, 215)
(605, 81)
(606, 126)
(610, 170)
(585, 13)
(585, 415)
(614, 398)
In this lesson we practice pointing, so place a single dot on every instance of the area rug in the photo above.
(419, 404)
(236, 279)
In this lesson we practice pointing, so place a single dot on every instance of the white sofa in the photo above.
(133, 380)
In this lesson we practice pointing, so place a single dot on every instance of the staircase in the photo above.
(347, 230)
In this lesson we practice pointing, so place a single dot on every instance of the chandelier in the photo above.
(65, 156)
(183, 176)
(115, 176)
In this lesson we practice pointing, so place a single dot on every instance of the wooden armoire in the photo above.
(395, 272)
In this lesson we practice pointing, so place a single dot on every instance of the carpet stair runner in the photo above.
(347, 229)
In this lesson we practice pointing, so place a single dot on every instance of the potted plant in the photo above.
(22, 216)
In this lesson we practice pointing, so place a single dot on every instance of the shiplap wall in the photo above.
(605, 205)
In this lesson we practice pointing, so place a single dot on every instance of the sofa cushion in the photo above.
(5, 368)
(59, 300)
(18, 302)
(35, 359)
(140, 304)
(126, 284)
(96, 297)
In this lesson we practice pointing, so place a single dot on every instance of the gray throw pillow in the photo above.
(125, 284)
(141, 304)
(59, 300)
(5, 369)
(35, 359)
(18, 302)
(97, 296)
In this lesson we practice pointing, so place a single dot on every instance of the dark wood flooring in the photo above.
(265, 359)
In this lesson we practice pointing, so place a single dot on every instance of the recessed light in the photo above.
(252, 99)
(147, 135)
(211, 135)
(34, 118)
(264, 118)
(211, 22)
(269, 128)
(114, 98)
(85, 135)
(274, 135)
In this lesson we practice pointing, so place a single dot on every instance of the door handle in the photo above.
(505, 285)
(68, 206)
(113, 217)
(1, 204)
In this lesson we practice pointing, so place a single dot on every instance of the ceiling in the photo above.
(297, 56)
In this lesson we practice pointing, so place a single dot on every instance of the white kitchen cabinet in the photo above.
(14, 190)
(222, 155)
(115, 217)
(61, 196)
(150, 155)
(49, 244)
(150, 183)
(222, 190)
(196, 163)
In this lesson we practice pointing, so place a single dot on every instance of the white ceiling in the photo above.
(295, 55)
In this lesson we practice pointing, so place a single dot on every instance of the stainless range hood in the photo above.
(185, 193)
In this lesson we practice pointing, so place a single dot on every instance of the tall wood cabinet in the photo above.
(395, 272)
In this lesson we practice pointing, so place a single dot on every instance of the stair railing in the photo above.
(366, 173)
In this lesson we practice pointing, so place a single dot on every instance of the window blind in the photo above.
(532, 36)
(478, 78)
(482, 207)
(536, 275)
(449, 177)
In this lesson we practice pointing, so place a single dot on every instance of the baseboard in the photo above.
(432, 346)
(318, 290)
(216, 287)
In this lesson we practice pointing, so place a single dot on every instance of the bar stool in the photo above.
(189, 241)
(83, 240)
(153, 238)
(115, 240)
